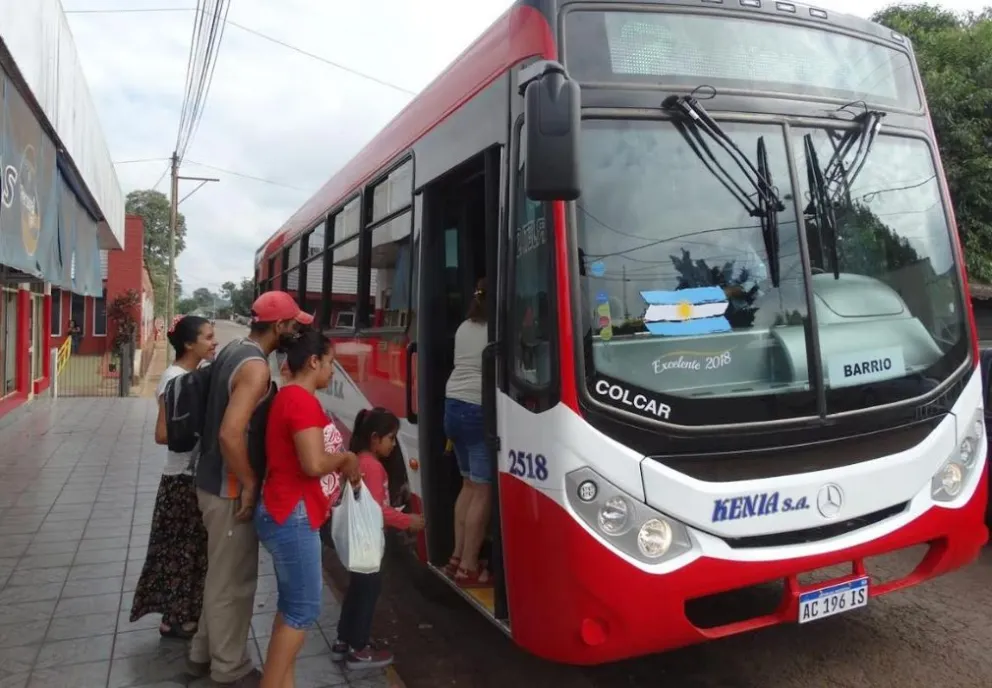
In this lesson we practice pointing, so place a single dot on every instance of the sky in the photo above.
(272, 113)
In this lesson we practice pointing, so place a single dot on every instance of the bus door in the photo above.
(459, 243)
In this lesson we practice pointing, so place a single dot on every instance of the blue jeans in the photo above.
(463, 426)
(295, 550)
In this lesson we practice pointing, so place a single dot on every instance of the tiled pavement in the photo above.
(77, 485)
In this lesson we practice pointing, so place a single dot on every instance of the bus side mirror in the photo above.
(552, 119)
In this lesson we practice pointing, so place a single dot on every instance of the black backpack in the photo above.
(186, 408)
(256, 433)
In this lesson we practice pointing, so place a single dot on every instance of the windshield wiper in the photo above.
(831, 185)
(820, 206)
(837, 173)
(769, 216)
(695, 121)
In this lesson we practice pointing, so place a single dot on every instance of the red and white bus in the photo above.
(732, 342)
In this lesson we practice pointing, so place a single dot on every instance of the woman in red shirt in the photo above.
(294, 502)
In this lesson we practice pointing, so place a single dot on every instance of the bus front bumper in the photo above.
(574, 601)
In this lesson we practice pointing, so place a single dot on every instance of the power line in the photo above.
(338, 65)
(246, 176)
(204, 49)
(131, 162)
(190, 63)
(164, 172)
(213, 67)
(131, 11)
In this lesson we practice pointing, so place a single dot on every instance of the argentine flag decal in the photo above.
(686, 312)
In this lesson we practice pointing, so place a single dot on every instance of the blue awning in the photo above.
(46, 231)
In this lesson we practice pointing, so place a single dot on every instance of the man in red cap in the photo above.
(228, 477)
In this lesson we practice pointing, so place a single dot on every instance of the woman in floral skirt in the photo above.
(171, 582)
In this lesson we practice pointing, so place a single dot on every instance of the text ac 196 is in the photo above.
(755, 505)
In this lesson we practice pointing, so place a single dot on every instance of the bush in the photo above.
(123, 313)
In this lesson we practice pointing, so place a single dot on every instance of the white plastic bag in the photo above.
(356, 529)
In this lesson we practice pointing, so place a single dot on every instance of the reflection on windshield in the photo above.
(677, 292)
(886, 285)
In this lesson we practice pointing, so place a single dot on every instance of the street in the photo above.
(226, 331)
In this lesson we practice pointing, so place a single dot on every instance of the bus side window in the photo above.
(531, 318)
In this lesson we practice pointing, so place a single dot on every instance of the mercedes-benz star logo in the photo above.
(829, 500)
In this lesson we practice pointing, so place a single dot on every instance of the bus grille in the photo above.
(799, 459)
(798, 537)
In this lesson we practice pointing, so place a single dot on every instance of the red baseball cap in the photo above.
(273, 306)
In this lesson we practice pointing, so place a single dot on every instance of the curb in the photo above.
(392, 677)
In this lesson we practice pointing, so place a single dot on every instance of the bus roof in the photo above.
(521, 32)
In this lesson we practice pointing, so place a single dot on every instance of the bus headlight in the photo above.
(613, 516)
(626, 523)
(654, 538)
(949, 480)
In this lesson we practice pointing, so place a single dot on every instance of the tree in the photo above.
(123, 313)
(952, 52)
(154, 209)
(186, 306)
(741, 311)
(240, 296)
(204, 298)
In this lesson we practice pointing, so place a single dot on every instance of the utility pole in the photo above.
(170, 306)
(170, 297)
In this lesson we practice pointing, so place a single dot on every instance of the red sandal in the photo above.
(451, 568)
(479, 578)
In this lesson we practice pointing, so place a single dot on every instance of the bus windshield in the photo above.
(678, 300)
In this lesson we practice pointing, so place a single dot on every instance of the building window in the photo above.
(345, 319)
(100, 315)
(56, 312)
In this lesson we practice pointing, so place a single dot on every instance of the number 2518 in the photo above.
(527, 465)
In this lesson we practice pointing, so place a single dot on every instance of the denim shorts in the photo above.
(463, 426)
(295, 550)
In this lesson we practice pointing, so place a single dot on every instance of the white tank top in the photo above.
(465, 382)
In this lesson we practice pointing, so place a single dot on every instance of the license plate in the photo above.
(835, 599)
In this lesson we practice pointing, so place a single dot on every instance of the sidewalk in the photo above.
(77, 485)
